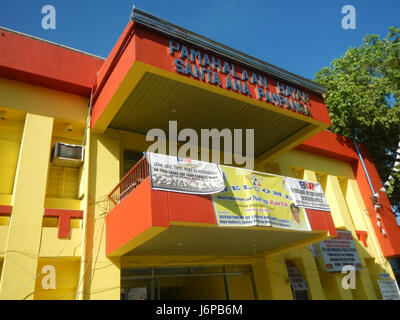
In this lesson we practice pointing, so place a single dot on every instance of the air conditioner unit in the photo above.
(67, 155)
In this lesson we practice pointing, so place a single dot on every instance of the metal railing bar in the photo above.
(128, 174)
(187, 275)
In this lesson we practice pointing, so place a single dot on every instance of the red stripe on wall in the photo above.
(5, 211)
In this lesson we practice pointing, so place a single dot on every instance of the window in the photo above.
(130, 159)
(194, 283)
(297, 283)
(63, 182)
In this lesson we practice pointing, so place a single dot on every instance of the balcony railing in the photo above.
(129, 182)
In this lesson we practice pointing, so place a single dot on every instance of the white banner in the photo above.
(339, 252)
(307, 194)
(389, 289)
(136, 294)
(296, 279)
(170, 173)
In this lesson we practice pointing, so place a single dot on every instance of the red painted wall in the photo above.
(145, 207)
(114, 71)
(64, 219)
(321, 220)
(333, 146)
(152, 48)
(40, 63)
(5, 211)
(191, 208)
(139, 211)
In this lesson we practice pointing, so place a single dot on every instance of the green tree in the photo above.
(363, 101)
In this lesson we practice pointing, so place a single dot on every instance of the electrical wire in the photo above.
(38, 275)
(87, 266)
(167, 263)
(87, 178)
(215, 259)
(88, 116)
(37, 257)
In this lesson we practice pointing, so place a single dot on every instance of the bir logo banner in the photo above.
(307, 194)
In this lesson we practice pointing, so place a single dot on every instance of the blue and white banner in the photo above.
(170, 173)
(389, 289)
(307, 194)
(339, 252)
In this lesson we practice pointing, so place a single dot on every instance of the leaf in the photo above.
(363, 100)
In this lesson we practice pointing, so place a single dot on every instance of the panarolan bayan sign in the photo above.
(207, 68)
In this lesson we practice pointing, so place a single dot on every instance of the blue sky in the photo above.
(299, 36)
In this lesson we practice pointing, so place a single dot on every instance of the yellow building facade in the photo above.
(56, 221)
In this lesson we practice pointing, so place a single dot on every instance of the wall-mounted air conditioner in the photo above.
(67, 155)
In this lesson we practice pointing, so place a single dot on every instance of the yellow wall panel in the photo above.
(9, 150)
(23, 241)
(52, 246)
(104, 176)
(210, 288)
(3, 240)
(307, 266)
(62, 182)
(66, 280)
(39, 100)
(313, 162)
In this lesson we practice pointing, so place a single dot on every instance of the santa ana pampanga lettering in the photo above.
(207, 68)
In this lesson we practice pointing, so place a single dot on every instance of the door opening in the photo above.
(188, 283)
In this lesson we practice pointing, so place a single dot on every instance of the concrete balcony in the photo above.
(149, 222)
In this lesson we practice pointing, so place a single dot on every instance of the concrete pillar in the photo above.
(343, 294)
(342, 219)
(340, 213)
(355, 204)
(272, 282)
(312, 275)
(261, 279)
(309, 175)
(23, 242)
(102, 279)
(364, 287)
(310, 267)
